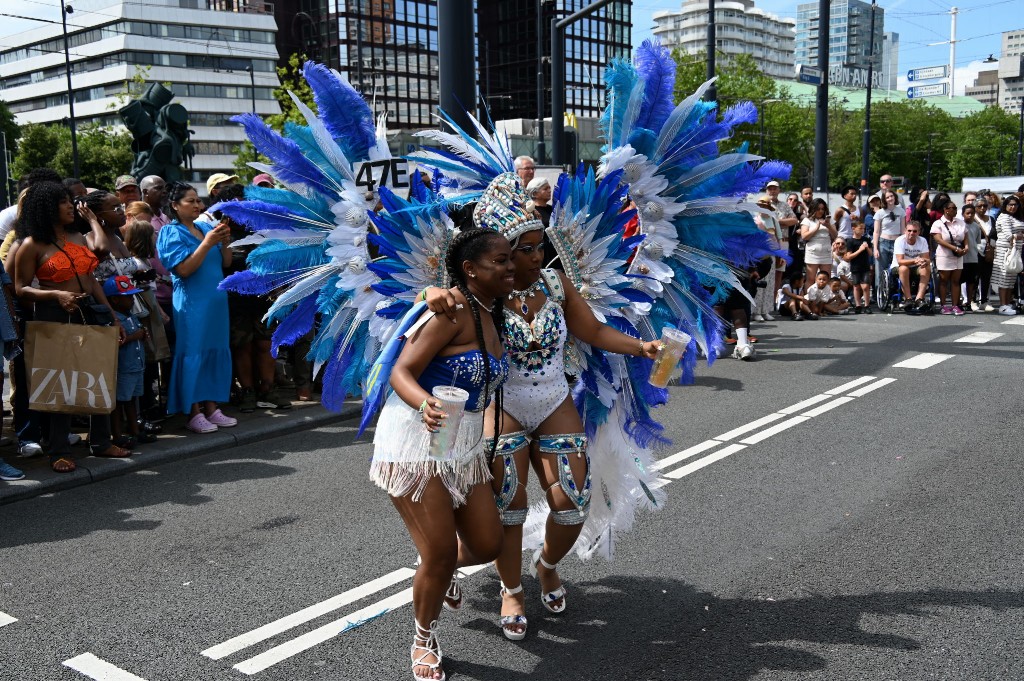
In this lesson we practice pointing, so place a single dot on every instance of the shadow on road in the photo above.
(102, 506)
(660, 629)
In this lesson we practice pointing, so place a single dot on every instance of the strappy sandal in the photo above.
(430, 647)
(113, 452)
(508, 621)
(548, 599)
(65, 463)
(453, 596)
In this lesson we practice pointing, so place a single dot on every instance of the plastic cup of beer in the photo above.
(673, 345)
(453, 403)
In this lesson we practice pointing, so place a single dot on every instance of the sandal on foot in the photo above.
(63, 464)
(507, 622)
(548, 599)
(125, 441)
(113, 452)
(453, 596)
(425, 640)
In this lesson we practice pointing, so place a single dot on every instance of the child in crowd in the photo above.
(858, 255)
(840, 266)
(792, 302)
(137, 210)
(131, 363)
(839, 304)
(819, 294)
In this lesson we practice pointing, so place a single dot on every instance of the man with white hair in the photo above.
(525, 169)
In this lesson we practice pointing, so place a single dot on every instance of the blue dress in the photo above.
(201, 368)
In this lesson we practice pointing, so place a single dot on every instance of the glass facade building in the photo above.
(849, 38)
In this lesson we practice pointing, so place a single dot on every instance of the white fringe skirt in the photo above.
(402, 463)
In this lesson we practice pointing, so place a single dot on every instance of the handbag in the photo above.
(1013, 264)
(72, 368)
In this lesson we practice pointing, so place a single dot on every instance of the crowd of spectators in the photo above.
(149, 256)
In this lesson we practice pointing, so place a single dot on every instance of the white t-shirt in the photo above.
(845, 225)
(889, 227)
(7, 218)
(785, 292)
(908, 250)
(840, 268)
(820, 294)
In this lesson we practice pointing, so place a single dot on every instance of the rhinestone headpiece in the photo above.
(502, 207)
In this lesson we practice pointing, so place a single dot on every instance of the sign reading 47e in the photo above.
(392, 173)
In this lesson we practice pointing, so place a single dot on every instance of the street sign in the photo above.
(934, 90)
(808, 74)
(927, 73)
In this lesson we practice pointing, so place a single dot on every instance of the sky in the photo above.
(919, 23)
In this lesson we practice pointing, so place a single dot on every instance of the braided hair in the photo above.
(471, 245)
(175, 192)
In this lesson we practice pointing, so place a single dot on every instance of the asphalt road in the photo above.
(870, 533)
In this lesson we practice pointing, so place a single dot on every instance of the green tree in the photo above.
(983, 144)
(103, 153)
(9, 128)
(291, 80)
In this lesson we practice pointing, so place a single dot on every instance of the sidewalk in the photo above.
(174, 444)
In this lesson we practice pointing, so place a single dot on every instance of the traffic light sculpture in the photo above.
(160, 129)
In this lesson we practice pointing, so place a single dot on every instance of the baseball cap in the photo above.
(216, 179)
(773, 183)
(119, 285)
(125, 181)
(263, 177)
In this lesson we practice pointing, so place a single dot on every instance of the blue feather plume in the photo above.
(655, 66)
(344, 112)
(277, 256)
(290, 164)
(260, 215)
(295, 325)
(620, 78)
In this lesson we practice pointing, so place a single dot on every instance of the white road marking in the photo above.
(809, 402)
(306, 614)
(881, 383)
(774, 430)
(922, 361)
(254, 665)
(852, 384)
(753, 425)
(683, 471)
(101, 670)
(6, 619)
(828, 406)
(979, 337)
(685, 454)
(1016, 321)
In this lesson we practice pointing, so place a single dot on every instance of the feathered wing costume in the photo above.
(316, 248)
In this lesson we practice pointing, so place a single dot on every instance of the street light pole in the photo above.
(252, 85)
(865, 165)
(1020, 137)
(541, 148)
(712, 93)
(65, 10)
(821, 112)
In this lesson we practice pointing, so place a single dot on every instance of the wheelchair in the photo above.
(894, 294)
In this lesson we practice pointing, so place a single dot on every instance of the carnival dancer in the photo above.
(442, 499)
(539, 425)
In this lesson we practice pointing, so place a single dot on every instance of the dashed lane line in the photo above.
(850, 386)
(101, 670)
(881, 383)
(922, 361)
(307, 614)
(979, 337)
(695, 466)
(775, 430)
(828, 406)
(6, 619)
(1016, 321)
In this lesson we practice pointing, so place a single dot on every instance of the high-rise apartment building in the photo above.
(1004, 85)
(741, 28)
(508, 57)
(849, 40)
(202, 48)
(890, 62)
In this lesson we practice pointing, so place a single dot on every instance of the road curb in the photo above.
(92, 469)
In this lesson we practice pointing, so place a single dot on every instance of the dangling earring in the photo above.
(472, 275)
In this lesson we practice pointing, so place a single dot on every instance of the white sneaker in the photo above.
(743, 352)
(27, 449)
(759, 318)
(989, 308)
(768, 318)
(1007, 310)
(976, 307)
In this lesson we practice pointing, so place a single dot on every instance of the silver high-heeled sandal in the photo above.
(430, 647)
(507, 621)
(548, 599)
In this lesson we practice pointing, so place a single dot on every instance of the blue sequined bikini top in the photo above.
(466, 370)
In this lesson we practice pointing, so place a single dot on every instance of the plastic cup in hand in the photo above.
(453, 403)
(673, 345)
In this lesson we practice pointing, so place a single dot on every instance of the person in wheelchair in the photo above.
(911, 257)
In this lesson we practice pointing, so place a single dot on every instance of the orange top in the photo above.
(58, 268)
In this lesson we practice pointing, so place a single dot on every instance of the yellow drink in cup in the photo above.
(673, 345)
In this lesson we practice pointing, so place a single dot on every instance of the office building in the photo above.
(508, 60)
(741, 28)
(849, 40)
(200, 47)
(890, 63)
(1003, 85)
